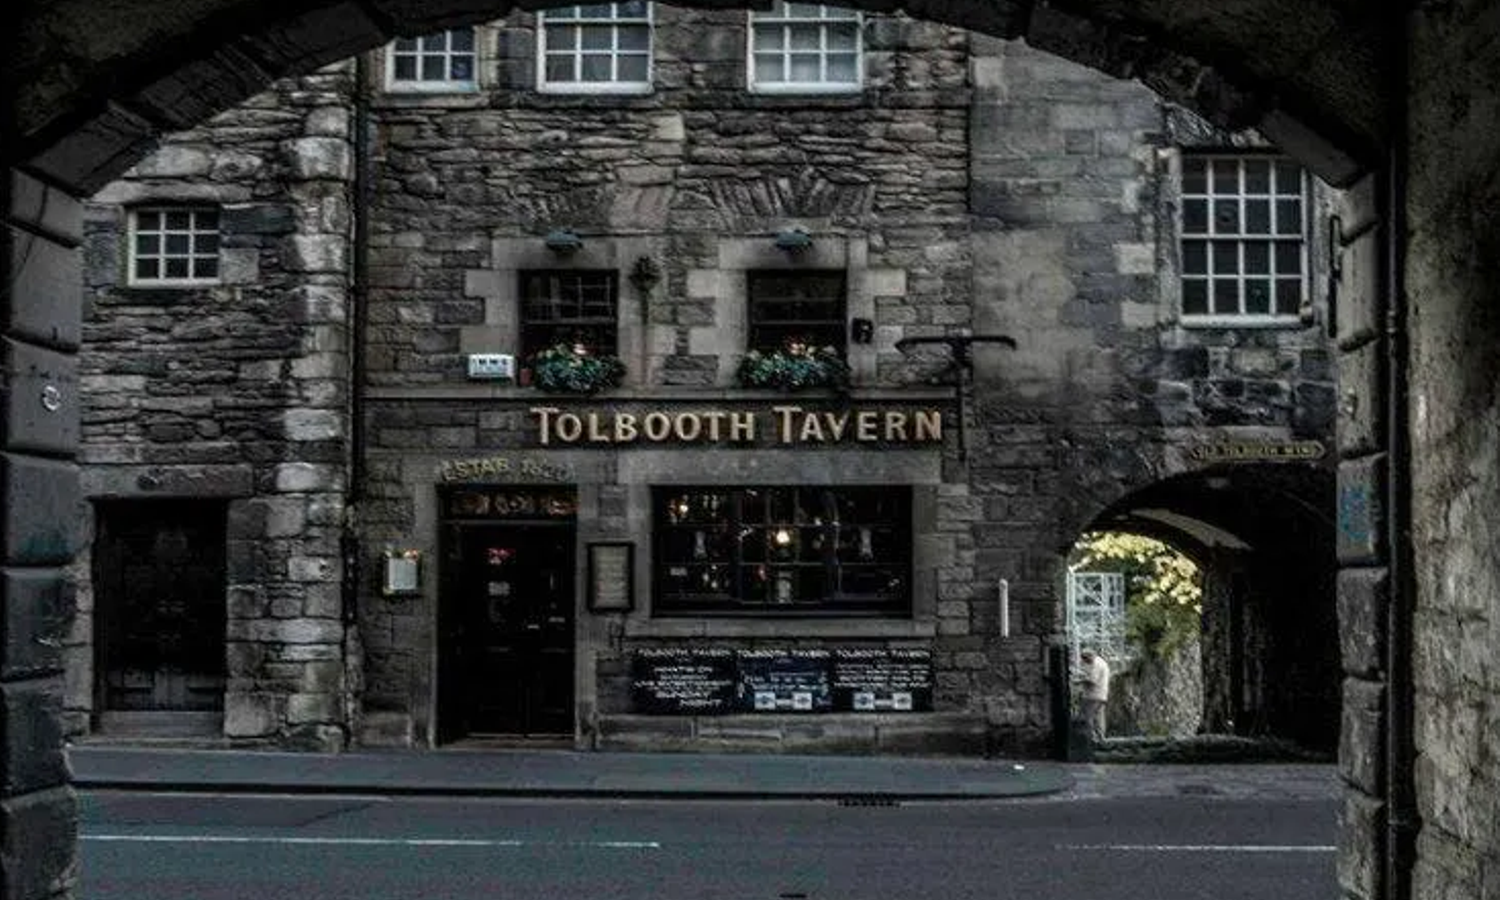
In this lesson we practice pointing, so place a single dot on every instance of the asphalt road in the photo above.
(204, 847)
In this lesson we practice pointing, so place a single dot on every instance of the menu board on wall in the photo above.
(683, 681)
(880, 680)
(715, 681)
(785, 681)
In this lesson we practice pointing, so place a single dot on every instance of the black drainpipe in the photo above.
(1400, 750)
(358, 320)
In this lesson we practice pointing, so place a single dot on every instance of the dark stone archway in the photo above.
(95, 81)
(1264, 536)
(90, 82)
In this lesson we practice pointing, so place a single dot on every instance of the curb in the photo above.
(851, 798)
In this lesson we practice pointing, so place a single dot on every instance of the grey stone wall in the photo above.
(239, 391)
(1159, 696)
(1074, 246)
(678, 175)
(39, 267)
(1451, 278)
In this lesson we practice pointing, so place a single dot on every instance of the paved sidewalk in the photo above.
(564, 773)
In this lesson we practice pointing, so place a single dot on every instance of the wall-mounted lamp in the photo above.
(960, 366)
(793, 240)
(645, 274)
(563, 241)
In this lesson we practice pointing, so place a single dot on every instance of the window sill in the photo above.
(1226, 322)
(806, 89)
(448, 98)
(780, 628)
(585, 89)
(173, 284)
(658, 394)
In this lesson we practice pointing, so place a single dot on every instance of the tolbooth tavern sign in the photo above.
(779, 424)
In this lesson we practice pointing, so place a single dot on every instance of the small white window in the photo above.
(174, 246)
(436, 62)
(806, 48)
(599, 48)
(1244, 253)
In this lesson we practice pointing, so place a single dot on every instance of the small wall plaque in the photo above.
(611, 577)
(403, 573)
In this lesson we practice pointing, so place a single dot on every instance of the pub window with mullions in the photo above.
(1243, 249)
(774, 551)
(573, 308)
(790, 308)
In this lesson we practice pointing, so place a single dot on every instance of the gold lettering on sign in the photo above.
(501, 468)
(596, 434)
(929, 425)
(812, 429)
(568, 427)
(783, 428)
(687, 427)
(658, 426)
(789, 425)
(895, 426)
(742, 426)
(544, 426)
(625, 430)
(1232, 451)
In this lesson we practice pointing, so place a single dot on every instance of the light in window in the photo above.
(572, 307)
(781, 550)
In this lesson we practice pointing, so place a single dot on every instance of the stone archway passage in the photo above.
(1264, 536)
(92, 81)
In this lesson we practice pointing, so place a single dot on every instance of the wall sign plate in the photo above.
(402, 574)
(611, 576)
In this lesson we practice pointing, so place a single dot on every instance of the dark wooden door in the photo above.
(160, 585)
(508, 631)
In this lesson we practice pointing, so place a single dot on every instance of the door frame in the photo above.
(104, 511)
(449, 528)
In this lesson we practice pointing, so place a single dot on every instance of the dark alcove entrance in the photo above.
(506, 643)
(160, 581)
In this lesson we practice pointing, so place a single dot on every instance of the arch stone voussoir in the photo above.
(89, 106)
(415, 17)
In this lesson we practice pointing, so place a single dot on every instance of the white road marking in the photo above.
(359, 842)
(1205, 848)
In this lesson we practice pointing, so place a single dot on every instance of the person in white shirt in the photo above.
(1094, 696)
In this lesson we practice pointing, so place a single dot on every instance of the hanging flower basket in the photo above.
(572, 369)
(794, 368)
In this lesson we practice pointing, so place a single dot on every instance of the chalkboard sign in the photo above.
(879, 680)
(785, 681)
(683, 681)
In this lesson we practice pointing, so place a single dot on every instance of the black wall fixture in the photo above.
(960, 370)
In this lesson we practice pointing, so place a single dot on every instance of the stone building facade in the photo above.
(413, 555)
(227, 402)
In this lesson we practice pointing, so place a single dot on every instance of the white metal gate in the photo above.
(1096, 614)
